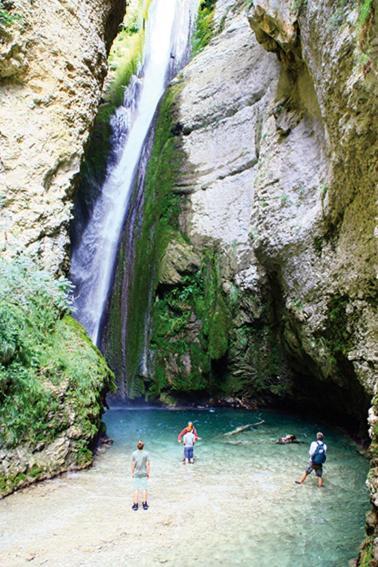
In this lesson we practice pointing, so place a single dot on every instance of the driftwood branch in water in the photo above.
(243, 428)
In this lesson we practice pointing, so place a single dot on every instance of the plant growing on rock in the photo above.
(298, 5)
(51, 376)
(7, 18)
(365, 10)
(204, 25)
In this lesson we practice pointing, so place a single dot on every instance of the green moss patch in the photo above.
(160, 222)
(336, 334)
(190, 330)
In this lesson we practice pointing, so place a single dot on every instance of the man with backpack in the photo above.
(318, 455)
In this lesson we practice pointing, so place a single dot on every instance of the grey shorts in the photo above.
(140, 483)
(317, 468)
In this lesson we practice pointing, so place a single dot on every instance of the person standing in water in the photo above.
(189, 427)
(318, 455)
(189, 439)
(140, 472)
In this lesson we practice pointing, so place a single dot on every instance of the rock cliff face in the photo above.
(317, 165)
(211, 296)
(52, 65)
(275, 124)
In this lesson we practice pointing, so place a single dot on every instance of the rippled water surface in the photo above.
(237, 505)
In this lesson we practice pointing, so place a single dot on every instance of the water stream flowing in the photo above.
(237, 505)
(93, 259)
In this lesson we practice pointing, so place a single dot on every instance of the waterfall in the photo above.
(94, 256)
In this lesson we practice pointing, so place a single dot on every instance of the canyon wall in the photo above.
(274, 177)
(52, 66)
(53, 380)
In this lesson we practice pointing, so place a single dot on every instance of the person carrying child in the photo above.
(189, 427)
(189, 440)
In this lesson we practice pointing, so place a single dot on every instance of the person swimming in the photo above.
(287, 439)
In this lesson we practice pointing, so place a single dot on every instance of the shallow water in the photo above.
(237, 505)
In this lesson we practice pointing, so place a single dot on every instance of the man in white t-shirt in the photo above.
(318, 453)
(189, 439)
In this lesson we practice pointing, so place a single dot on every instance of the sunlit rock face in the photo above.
(278, 136)
(52, 65)
(227, 90)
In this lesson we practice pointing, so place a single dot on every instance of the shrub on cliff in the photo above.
(7, 18)
(204, 26)
(52, 378)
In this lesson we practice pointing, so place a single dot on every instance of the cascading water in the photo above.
(94, 258)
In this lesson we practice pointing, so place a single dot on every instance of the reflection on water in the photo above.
(250, 485)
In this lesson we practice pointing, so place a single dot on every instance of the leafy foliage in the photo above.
(43, 352)
(7, 18)
(31, 301)
(204, 25)
(366, 7)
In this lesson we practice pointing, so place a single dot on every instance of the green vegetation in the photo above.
(124, 60)
(284, 199)
(298, 5)
(160, 223)
(365, 11)
(7, 18)
(366, 35)
(204, 25)
(366, 558)
(323, 191)
(191, 324)
(127, 51)
(51, 375)
(318, 244)
(336, 334)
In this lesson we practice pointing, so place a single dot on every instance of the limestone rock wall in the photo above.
(279, 173)
(213, 331)
(52, 66)
(316, 185)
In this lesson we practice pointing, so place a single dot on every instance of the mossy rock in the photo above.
(179, 259)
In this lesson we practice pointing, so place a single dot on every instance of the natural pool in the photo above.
(237, 505)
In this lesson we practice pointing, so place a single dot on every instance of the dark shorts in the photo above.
(188, 453)
(317, 468)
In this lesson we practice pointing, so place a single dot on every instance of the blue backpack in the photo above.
(319, 456)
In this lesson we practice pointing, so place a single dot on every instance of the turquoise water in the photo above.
(238, 504)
